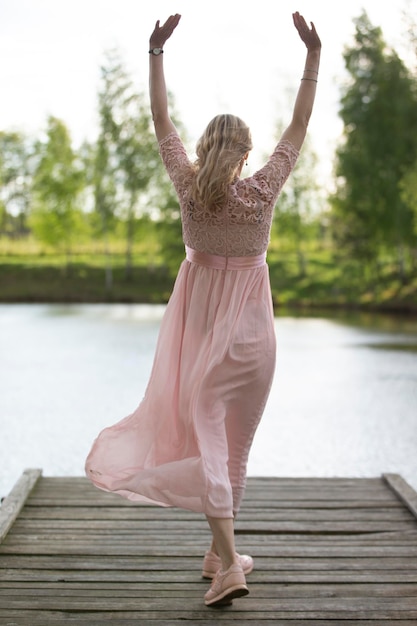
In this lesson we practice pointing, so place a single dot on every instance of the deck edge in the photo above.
(14, 502)
(403, 490)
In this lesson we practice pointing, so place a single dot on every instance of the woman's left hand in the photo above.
(309, 36)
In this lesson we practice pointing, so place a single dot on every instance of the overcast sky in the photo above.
(226, 56)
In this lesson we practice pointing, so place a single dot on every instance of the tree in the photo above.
(167, 215)
(163, 204)
(297, 204)
(139, 161)
(103, 160)
(408, 190)
(410, 23)
(379, 111)
(58, 180)
(126, 153)
(16, 168)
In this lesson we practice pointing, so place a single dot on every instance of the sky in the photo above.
(225, 56)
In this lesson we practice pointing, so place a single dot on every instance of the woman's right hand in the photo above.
(162, 33)
(309, 36)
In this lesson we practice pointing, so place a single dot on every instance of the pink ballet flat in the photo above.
(212, 564)
(226, 586)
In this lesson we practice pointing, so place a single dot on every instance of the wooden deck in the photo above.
(327, 552)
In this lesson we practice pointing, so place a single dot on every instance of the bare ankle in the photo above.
(228, 563)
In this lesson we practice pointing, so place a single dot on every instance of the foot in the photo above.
(227, 585)
(212, 564)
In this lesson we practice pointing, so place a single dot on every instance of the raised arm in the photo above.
(296, 131)
(157, 88)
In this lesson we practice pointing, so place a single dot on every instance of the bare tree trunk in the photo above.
(130, 232)
(302, 262)
(108, 266)
(401, 263)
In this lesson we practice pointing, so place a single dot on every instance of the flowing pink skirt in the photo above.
(187, 443)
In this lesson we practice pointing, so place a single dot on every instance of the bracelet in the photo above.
(308, 69)
(312, 79)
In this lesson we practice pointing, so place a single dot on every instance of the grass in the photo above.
(30, 273)
(83, 283)
(334, 284)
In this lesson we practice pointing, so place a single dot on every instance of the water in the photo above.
(343, 402)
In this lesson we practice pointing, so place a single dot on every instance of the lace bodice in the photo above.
(243, 227)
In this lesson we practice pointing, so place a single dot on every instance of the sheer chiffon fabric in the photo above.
(188, 441)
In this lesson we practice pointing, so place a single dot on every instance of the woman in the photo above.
(187, 443)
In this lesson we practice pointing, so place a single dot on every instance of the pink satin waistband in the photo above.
(223, 262)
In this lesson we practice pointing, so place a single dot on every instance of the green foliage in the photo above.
(165, 209)
(16, 167)
(56, 217)
(408, 191)
(34, 273)
(126, 155)
(379, 111)
(169, 229)
(299, 205)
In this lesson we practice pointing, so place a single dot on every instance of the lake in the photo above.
(343, 402)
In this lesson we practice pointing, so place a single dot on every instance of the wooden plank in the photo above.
(32, 509)
(156, 549)
(56, 618)
(272, 529)
(254, 481)
(277, 541)
(263, 590)
(50, 517)
(319, 607)
(17, 575)
(13, 503)
(167, 536)
(257, 488)
(303, 500)
(145, 612)
(98, 561)
(256, 492)
(278, 527)
(224, 617)
(403, 490)
(252, 488)
(157, 545)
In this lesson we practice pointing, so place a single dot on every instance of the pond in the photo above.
(343, 401)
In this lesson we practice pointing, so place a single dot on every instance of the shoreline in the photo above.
(30, 283)
(397, 309)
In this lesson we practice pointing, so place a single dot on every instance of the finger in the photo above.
(171, 24)
(173, 19)
(303, 24)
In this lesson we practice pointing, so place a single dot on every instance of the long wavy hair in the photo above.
(220, 151)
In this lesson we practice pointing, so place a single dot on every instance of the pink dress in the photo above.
(187, 443)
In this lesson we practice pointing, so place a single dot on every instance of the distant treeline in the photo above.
(115, 187)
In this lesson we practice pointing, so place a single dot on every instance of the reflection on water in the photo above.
(343, 402)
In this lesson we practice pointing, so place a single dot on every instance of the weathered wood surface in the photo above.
(327, 552)
(13, 503)
(403, 491)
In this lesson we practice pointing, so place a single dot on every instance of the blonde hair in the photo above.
(220, 151)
